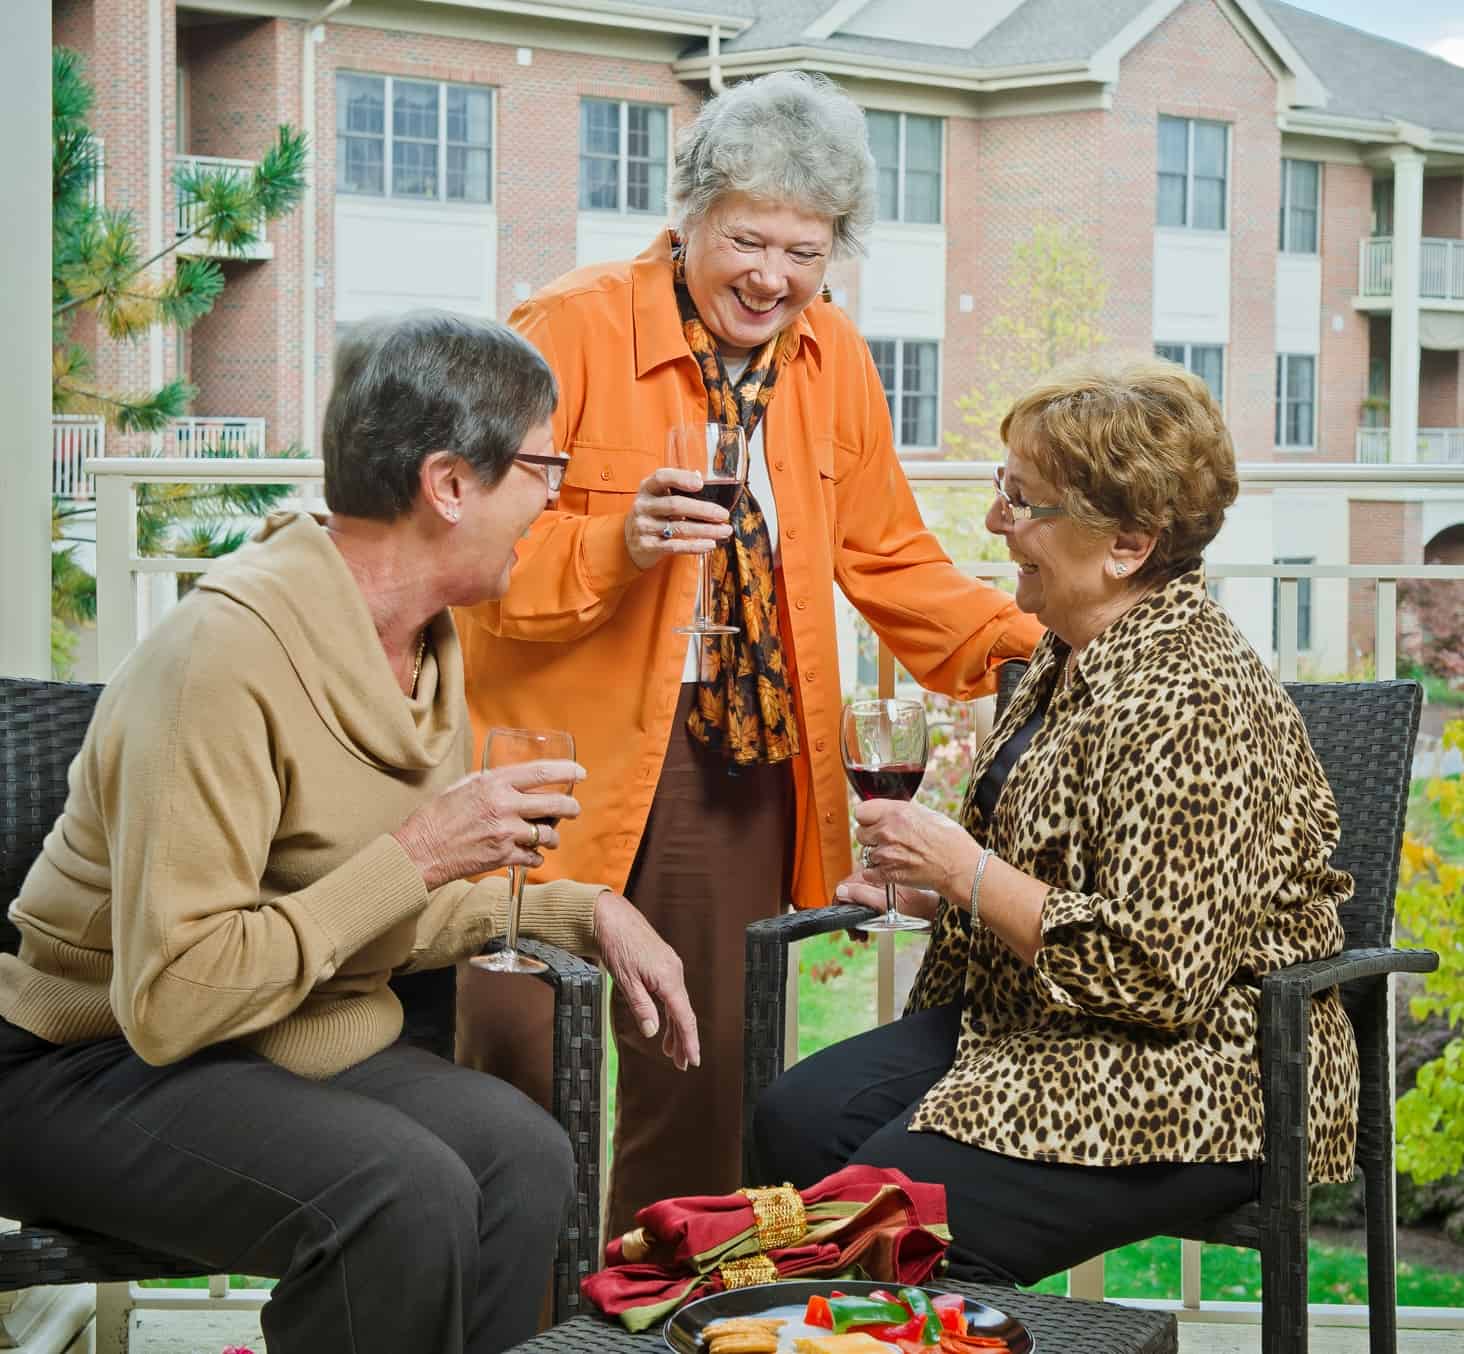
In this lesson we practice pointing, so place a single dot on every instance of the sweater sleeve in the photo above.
(462, 917)
(192, 801)
(949, 630)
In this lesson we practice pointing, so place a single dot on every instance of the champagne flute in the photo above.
(513, 747)
(719, 455)
(884, 744)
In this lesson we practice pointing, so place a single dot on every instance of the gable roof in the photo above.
(1374, 78)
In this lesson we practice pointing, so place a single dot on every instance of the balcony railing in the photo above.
(221, 436)
(129, 600)
(1436, 446)
(75, 439)
(189, 212)
(1440, 268)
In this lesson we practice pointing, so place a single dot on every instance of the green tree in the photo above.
(1431, 911)
(99, 265)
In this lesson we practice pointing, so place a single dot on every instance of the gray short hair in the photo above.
(786, 137)
(423, 382)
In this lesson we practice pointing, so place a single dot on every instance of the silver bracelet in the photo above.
(976, 887)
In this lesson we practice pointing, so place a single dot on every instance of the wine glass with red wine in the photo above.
(885, 745)
(719, 455)
(512, 747)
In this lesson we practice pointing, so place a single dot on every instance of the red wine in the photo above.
(721, 492)
(893, 780)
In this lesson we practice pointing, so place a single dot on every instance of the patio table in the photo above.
(1058, 1326)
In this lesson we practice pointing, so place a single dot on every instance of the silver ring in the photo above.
(668, 531)
(534, 836)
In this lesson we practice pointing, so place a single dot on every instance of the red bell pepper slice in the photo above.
(818, 1314)
(951, 1308)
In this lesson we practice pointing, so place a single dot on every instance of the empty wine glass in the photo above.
(513, 747)
(885, 744)
(719, 455)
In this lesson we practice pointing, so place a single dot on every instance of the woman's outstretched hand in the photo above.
(648, 973)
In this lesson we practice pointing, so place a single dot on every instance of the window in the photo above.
(907, 153)
(1303, 607)
(1382, 207)
(1301, 190)
(1193, 157)
(1295, 400)
(1206, 360)
(440, 147)
(909, 371)
(622, 156)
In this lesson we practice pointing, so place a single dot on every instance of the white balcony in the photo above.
(1436, 446)
(220, 436)
(189, 214)
(1440, 272)
(74, 439)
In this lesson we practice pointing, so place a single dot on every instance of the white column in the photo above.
(1407, 243)
(25, 344)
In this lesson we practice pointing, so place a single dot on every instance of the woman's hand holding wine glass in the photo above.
(683, 507)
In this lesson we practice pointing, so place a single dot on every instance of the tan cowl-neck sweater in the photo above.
(223, 869)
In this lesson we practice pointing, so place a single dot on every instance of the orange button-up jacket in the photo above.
(584, 639)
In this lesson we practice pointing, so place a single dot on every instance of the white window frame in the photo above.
(1283, 398)
(622, 159)
(1304, 601)
(1189, 175)
(896, 398)
(441, 198)
(1287, 208)
(900, 216)
(1188, 362)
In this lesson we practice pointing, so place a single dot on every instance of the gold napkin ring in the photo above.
(781, 1220)
(751, 1269)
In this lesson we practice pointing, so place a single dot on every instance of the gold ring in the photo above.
(534, 836)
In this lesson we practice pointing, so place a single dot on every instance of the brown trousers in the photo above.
(713, 858)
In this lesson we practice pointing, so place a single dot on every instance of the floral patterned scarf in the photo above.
(744, 706)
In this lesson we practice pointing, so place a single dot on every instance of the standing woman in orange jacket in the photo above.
(717, 794)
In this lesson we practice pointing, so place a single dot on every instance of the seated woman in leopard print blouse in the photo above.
(1147, 833)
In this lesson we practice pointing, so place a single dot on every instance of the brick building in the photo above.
(1274, 199)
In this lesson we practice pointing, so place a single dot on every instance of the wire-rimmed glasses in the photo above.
(1019, 512)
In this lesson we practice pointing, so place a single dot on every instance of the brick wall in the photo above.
(1342, 365)
(1196, 65)
(71, 25)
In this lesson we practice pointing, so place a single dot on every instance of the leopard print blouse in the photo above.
(1174, 804)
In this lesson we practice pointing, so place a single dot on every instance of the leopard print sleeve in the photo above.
(1184, 863)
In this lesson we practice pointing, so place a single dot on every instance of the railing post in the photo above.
(1287, 611)
(116, 592)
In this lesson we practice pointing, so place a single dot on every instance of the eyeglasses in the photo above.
(552, 466)
(1024, 512)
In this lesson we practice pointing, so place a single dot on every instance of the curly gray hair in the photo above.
(786, 137)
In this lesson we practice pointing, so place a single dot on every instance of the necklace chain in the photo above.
(421, 653)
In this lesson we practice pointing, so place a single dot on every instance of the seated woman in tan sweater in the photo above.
(273, 812)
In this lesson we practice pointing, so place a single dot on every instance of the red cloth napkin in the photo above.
(866, 1220)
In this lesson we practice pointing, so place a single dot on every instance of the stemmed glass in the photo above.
(885, 744)
(719, 455)
(512, 747)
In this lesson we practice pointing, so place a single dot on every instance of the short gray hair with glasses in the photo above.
(789, 138)
(427, 381)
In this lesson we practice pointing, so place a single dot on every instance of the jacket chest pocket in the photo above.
(827, 478)
(601, 479)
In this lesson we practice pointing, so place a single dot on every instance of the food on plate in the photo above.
(853, 1342)
(743, 1335)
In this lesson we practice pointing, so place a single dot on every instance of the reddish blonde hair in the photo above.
(1139, 445)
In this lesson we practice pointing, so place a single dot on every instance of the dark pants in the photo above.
(403, 1204)
(1011, 1220)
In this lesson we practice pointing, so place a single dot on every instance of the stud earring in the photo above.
(1120, 569)
(452, 515)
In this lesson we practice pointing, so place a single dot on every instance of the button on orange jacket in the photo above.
(584, 639)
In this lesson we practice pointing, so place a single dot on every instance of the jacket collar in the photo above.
(658, 335)
(1128, 640)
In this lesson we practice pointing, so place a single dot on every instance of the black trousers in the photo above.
(404, 1204)
(1012, 1221)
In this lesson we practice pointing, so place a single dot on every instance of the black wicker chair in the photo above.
(1364, 735)
(42, 725)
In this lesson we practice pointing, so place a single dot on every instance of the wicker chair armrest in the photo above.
(1351, 965)
(788, 927)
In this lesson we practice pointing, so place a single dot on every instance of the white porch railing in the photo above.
(188, 210)
(75, 439)
(1436, 446)
(129, 600)
(215, 436)
(1440, 268)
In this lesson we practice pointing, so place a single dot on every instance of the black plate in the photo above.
(789, 1299)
